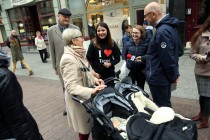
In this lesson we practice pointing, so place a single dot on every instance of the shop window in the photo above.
(46, 16)
(78, 22)
(15, 14)
(101, 4)
(204, 12)
(45, 7)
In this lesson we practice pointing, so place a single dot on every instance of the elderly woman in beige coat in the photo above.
(78, 77)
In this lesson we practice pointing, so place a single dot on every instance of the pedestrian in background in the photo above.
(78, 78)
(16, 122)
(148, 28)
(200, 52)
(135, 47)
(162, 55)
(56, 42)
(127, 34)
(13, 34)
(41, 47)
(103, 53)
(17, 54)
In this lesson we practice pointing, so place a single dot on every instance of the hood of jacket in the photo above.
(174, 22)
(4, 59)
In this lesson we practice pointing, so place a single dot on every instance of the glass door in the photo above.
(78, 22)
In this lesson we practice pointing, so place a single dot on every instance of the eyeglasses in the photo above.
(147, 14)
(135, 33)
(79, 37)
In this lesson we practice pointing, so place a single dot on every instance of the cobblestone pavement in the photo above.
(44, 99)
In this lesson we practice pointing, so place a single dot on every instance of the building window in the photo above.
(104, 4)
(46, 16)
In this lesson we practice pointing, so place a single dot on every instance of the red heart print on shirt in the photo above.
(108, 52)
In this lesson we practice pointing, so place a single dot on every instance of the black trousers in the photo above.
(161, 94)
(205, 105)
(138, 76)
(43, 54)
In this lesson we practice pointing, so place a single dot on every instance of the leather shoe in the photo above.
(45, 61)
(30, 73)
(64, 113)
(197, 118)
(203, 123)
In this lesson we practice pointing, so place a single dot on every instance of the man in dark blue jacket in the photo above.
(162, 55)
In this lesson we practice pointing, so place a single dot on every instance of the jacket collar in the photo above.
(206, 34)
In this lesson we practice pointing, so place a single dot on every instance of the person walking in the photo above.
(56, 42)
(13, 34)
(41, 46)
(135, 47)
(200, 52)
(17, 54)
(162, 55)
(103, 53)
(78, 78)
(16, 122)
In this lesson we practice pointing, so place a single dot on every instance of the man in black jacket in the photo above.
(13, 33)
(16, 121)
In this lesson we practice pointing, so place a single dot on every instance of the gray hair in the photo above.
(69, 34)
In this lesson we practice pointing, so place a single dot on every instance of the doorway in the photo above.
(196, 13)
(138, 16)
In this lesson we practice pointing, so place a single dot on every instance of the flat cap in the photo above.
(65, 12)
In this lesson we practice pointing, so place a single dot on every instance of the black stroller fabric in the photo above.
(138, 128)
(109, 103)
(126, 87)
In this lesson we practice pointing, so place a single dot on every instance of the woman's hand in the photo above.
(98, 88)
(99, 81)
(138, 59)
(95, 74)
(107, 65)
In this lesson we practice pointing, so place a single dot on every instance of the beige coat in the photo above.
(70, 67)
(57, 44)
(202, 46)
(40, 44)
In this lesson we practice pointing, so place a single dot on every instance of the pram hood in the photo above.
(109, 100)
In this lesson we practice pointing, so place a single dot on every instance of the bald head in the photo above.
(153, 12)
(155, 7)
(13, 32)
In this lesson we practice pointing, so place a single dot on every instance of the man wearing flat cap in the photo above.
(56, 42)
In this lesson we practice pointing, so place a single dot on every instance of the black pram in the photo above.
(112, 103)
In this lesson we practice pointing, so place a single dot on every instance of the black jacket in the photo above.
(15, 120)
(97, 57)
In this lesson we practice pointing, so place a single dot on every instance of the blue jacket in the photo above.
(162, 55)
(136, 50)
(125, 39)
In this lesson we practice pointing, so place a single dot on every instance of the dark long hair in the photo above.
(205, 26)
(108, 38)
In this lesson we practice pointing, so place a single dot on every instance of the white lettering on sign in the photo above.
(20, 2)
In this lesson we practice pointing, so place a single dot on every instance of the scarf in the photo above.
(40, 37)
(14, 41)
(86, 70)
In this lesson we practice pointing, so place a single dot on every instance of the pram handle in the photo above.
(109, 79)
(74, 97)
